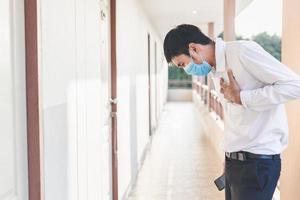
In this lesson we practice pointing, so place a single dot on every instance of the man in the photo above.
(252, 93)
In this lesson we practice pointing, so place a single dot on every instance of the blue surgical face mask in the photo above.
(198, 69)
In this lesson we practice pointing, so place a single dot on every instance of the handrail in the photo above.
(215, 105)
(209, 98)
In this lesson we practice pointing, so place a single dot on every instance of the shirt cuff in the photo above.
(245, 98)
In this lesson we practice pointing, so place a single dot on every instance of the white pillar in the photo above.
(229, 16)
(290, 176)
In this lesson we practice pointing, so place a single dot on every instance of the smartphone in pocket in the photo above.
(220, 182)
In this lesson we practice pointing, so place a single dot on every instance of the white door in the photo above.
(13, 146)
(105, 74)
(95, 145)
(75, 90)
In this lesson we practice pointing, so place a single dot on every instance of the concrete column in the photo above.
(290, 176)
(229, 16)
(211, 31)
(211, 35)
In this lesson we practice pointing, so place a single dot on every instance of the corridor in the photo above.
(92, 109)
(180, 163)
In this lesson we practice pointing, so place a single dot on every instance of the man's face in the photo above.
(181, 61)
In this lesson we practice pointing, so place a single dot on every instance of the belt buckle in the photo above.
(227, 154)
(241, 156)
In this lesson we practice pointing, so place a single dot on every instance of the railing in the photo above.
(202, 91)
(215, 104)
(209, 98)
(174, 84)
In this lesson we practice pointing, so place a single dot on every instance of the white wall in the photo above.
(132, 60)
(13, 137)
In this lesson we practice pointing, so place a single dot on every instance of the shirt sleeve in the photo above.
(280, 83)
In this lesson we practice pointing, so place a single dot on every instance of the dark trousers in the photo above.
(251, 179)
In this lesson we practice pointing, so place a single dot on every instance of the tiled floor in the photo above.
(181, 164)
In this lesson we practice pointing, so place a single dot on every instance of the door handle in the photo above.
(102, 15)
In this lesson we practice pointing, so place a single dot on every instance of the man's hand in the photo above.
(231, 90)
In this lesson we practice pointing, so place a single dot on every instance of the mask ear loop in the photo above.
(201, 57)
(191, 60)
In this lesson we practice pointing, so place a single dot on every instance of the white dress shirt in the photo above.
(260, 124)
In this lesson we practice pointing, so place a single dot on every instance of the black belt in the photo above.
(242, 156)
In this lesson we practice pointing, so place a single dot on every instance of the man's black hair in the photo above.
(178, 39)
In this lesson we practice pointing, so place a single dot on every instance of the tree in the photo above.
(176, 73)
(178, 78)
(271, 43)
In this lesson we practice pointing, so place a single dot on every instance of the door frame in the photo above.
(149, 82)
(114, 132)
(156, 84)
(32, 101)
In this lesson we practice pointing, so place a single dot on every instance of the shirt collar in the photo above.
(220, 55)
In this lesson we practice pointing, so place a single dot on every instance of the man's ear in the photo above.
(196, 47)
(193, 46)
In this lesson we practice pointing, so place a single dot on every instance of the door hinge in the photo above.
(113, 114)
(113, 100)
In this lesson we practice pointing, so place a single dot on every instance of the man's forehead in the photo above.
(179, 58)
(174, 61)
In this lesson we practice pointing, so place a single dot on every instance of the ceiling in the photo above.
(166, 14)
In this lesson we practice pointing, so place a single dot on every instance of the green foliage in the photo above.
(176, 73)
(221, 35)
(271, 43)
(239, 37)
(178, 78)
